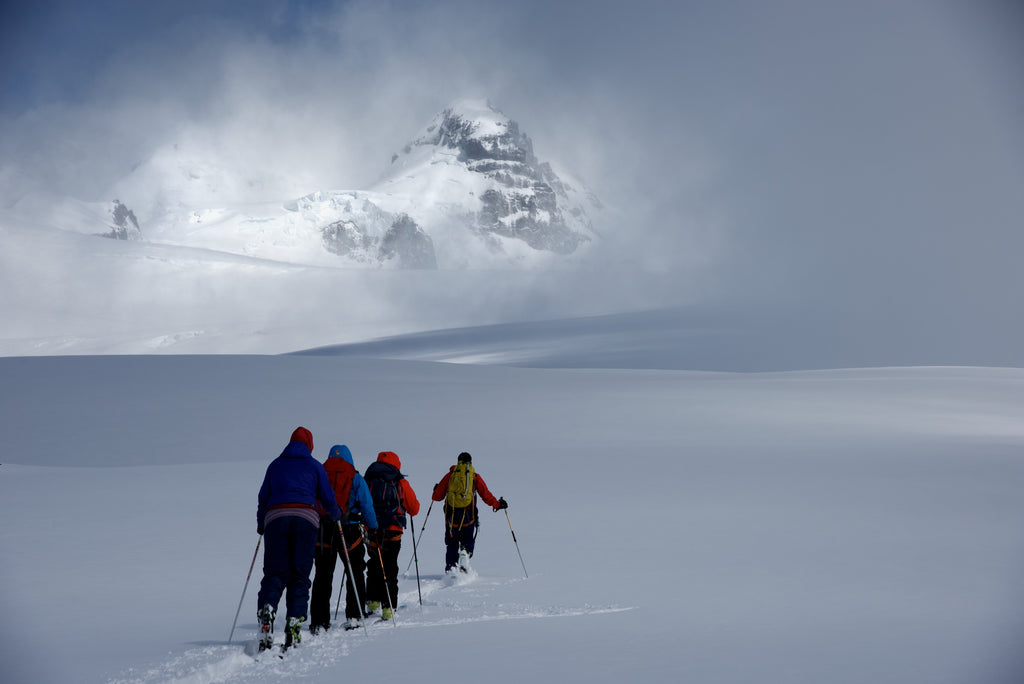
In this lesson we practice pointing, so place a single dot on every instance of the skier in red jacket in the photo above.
(458, 488)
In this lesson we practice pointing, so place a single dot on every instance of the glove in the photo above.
(259, 530)
(502, 505)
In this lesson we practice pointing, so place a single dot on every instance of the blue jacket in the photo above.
(359, 503)
(295, 478)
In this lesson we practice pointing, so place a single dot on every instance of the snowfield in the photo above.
(841, 526)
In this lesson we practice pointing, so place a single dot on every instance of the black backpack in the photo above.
(383, 480)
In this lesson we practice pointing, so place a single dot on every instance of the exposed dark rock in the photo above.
(125, 225)
(345, 238)
(525, 203)
(406, 242)
(513, 215)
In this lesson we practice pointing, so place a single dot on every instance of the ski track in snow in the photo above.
(455, 600)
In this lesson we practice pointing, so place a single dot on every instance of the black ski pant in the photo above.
(287, 560)
(459, 530)
(329, 549)
(454, 537)
(377, 579)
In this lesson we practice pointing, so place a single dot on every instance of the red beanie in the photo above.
(391, 458)
(303, 435)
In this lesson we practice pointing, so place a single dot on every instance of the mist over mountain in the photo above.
(467, 192)
(298, 180)
(211, 254)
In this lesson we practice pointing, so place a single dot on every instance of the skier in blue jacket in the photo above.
(287, 514)
(356, 508)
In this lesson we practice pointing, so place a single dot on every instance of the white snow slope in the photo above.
(839, 526)
(62, 292)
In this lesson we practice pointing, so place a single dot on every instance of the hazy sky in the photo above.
(858, 156)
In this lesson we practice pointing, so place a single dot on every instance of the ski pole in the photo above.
(251, 566)
(416, 540)
(516, 542)
(384, 575)
(413, 535)
(351, 579)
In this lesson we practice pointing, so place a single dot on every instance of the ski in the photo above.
(262, 649)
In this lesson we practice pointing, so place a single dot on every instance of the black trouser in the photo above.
(459, 530)
(329, 549)
(287, 559)
(375, 578)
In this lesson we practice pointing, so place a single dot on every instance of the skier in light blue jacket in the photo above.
(357, 508)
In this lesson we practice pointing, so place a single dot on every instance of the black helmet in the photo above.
(464, 457)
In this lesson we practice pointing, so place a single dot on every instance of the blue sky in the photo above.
(863, 156)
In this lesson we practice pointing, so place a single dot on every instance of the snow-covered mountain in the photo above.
(112, 219)
(473, 166)
(227, 254)
(467, 192)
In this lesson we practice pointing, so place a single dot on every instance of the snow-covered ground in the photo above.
(840, 526)
(62, 292)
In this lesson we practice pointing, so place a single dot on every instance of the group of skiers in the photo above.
(313, 513)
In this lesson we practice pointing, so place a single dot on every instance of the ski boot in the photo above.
(352, 623)
(293, 632)
(266, 618)
(386, 613)
(372, 607)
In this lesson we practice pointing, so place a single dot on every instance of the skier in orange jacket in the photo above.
(393, 497)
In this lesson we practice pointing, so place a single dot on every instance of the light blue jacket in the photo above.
(359, 505)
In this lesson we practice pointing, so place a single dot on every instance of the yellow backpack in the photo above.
(460, 486)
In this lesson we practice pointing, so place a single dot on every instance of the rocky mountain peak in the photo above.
(478, 132)
(515, 195)
(475, 131)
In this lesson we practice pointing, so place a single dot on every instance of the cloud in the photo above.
(853, 157)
